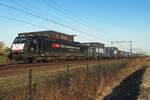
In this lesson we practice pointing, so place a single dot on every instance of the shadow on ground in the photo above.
(128, 88)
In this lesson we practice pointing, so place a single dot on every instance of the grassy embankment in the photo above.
(80, 82)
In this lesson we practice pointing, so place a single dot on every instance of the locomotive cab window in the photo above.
(23, 40)
(20, 40)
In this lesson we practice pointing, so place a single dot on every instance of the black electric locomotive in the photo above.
(46, 46)
(52, 45)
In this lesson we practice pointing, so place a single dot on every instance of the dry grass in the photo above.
(119, 76)
(80, 83)
(4, 60)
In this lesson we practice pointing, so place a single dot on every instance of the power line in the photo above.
(25, 7)
(40, 17)
(37, 16)
(40, 14)
(66, 14)
(25, 22)
(21, 21)
(74, 17)
(39, 10)
(49, 5)
(64, 11)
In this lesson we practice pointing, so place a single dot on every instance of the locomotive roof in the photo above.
(94, 43)
(112, 47)
(43, 32)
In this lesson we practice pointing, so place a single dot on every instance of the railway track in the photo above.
(22, 69)
(24, 65)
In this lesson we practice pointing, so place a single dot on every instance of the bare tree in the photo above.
(2, 45)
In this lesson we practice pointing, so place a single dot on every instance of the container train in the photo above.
(52, 45)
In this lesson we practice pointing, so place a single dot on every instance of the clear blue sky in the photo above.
(120, 19)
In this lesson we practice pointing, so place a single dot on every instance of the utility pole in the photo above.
(130, 48)
(111, 43)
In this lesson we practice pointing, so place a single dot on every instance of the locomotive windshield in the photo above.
(20, 40)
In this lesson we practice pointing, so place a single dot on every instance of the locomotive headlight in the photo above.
(17, 47)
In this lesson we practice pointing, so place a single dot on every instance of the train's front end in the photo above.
(18, 48)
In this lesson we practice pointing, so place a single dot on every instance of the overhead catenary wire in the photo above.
(40, 17)
(28, 23)
(47, 2)
(74, 17)
(46, 19)
(21, 21)
(37, 11)
(71, 16)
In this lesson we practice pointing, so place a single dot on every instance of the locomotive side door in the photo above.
(34, 47)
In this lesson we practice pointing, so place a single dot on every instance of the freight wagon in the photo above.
(95, 50)
(111, 52)
(123, 54)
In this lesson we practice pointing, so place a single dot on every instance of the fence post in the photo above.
(110, 70)
(30, 85)
(122, 62)
(59, 80)
(99, 71)
(105, 73)
(67, 76)
(87, 72)
(68, 72)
